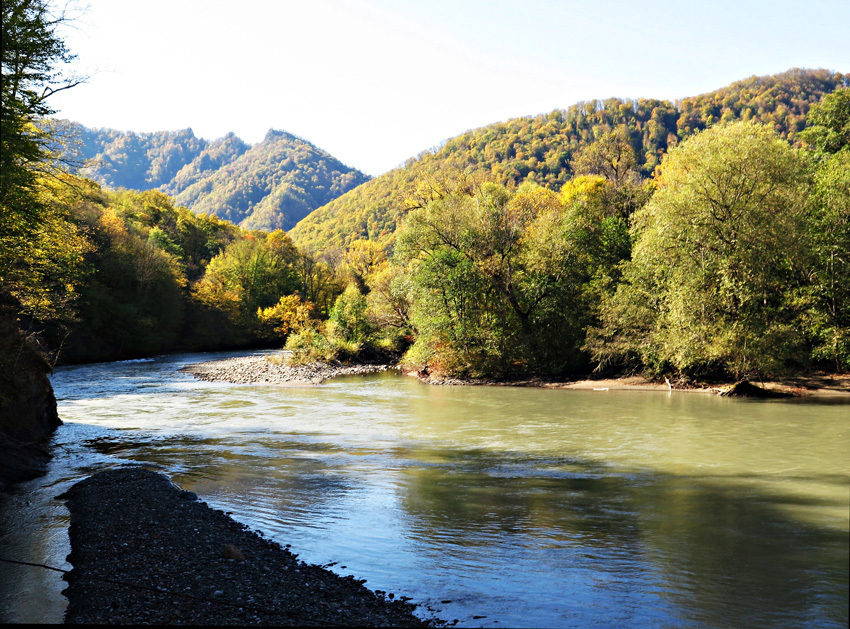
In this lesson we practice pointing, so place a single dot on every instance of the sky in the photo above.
(375, 82)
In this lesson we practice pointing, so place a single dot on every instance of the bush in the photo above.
(309, 345)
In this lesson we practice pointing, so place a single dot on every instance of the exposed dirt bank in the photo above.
(191, 564)
(804, 386)
(27, 406)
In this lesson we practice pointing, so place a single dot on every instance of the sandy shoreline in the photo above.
(260, 370)
(830, 386)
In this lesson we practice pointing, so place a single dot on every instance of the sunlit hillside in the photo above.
(541, 147)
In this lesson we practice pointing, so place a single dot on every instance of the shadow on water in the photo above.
(719, 555)
(266, 475)
(703, 550)
(596, 545)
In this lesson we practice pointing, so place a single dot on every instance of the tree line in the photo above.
(123, 274)
(542, 148)
(732, 260)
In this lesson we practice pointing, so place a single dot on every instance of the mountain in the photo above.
(136, 161)
(215, 155)
(270, 185)
(541, 147)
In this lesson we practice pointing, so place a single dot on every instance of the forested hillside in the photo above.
(549, 149)
(729, 262)
(271, 185)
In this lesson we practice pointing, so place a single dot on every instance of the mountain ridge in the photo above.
(270, 185)
(541, 147)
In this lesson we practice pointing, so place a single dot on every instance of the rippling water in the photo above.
(497, 506)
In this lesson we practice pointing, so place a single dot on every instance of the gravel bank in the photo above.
(192, 564)
(260, 370)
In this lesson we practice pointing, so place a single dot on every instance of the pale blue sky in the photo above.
(375, 82)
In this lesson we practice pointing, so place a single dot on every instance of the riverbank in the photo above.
(271, 370)
(266, 369)
(833, 385)
(28, 415)
(145, 552)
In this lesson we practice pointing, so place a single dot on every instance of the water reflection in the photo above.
(720, 556)
(490, 494)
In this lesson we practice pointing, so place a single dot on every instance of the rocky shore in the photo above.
(271, 370)
(145, 552)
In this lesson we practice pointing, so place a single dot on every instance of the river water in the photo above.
(496, 506)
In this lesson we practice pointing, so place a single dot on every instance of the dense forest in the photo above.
(705, 238)
(271, 185)
(729, 260)
(543, 148)
(123, 274)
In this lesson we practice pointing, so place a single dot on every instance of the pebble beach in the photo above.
(262, 370)
(145, 552)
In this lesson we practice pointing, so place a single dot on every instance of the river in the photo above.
(496, 506)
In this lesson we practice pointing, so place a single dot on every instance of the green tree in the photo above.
(160, 238)
(828, 127)
(349, 326)
(828, 292)
(718, 247)
(34, 226)
(133, 303)
(503, 281)
(251, 273)
(457, 249)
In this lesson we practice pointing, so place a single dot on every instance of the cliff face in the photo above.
(28, 414)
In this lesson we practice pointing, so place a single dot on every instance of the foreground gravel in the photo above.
(191, 564)
(260, 370)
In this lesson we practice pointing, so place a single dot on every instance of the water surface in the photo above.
(497, 506)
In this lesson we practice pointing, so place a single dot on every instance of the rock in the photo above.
(232, 552)
(261, 370)
(28, 413)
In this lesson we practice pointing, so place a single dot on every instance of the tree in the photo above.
(612, 156)
(42, 249)
(717, 248)
(829, 123)
(362, 259)
(348, 326)
(252, 273)
(31, 52)
(502, 281)
(828, 293)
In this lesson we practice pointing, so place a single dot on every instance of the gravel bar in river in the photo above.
(261, 370)
(145, 552)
